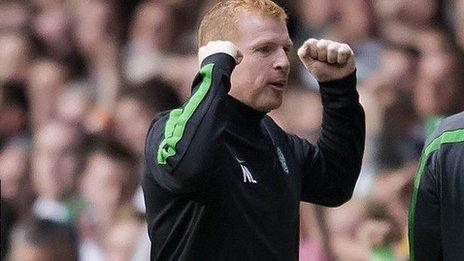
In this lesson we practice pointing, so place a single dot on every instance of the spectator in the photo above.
(54, 171)
(14, 55)
(136, 108)
(45, 79)
(108, 183)
(438, 91)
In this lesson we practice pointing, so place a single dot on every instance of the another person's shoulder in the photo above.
(449, 131)
(453, 123)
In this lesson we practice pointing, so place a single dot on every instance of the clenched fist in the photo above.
(327, 60)
(219, 47)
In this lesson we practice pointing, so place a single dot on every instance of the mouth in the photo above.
(279, 85)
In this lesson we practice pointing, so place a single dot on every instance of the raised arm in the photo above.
(181, 146)
(331, 168)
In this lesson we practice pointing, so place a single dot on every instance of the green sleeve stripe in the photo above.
(175, 126)
(453, 136)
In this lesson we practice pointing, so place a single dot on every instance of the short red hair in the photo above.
(220, 22)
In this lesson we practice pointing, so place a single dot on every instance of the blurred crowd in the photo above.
(81, 80)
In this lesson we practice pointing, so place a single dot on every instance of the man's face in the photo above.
(260, 79)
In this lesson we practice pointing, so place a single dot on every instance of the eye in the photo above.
(265, 50)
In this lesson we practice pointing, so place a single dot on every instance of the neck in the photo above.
(240, 112)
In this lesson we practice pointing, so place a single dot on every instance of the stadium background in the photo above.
(80, 82)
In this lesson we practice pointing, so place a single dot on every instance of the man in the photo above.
(436, 213)
(55, 163)
(107, 185)
(223, 181)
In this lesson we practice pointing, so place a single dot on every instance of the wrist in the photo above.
(223, 61)
(216, 47)
(339, 92)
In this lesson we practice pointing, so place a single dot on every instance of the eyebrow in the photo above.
(288, 44)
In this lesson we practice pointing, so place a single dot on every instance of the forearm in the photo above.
(188, 141)
(343, 132)
(337, 157)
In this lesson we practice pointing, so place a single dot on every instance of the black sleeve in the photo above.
(181, 146)
(425, 228)
(330, 169)
(436, 211)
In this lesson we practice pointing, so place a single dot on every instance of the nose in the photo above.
(282, 63)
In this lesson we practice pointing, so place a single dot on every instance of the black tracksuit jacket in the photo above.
(224, 182)
(436, 213)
